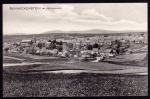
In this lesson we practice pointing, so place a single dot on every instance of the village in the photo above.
(60, 49)
(82, 48)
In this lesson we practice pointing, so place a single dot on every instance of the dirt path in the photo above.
(30, 56)
(126, 72)
(21, 64)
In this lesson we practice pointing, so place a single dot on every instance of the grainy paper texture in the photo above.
(52, 50)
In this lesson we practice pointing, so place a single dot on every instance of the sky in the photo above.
(74, 17)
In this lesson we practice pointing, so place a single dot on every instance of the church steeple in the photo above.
(34, 39)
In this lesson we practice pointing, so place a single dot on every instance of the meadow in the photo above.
(83, 84)
(17, 83)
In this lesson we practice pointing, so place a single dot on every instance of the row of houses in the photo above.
(74, 47)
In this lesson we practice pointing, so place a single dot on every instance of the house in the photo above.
(42, 43)
(43, 51)
(54, 51)
(15, 50)
(67, 46)
(127, 41)
(37, 52)
(128, 51)
(6, 45)
(88, 41)
(47, 44)
(26, 42)
(64, 54)
(107, 50)
(86, 52)
(95, 50)
(122, 40)
(85, 55)
(30, 50)
(61, 40)
(35, 44)
(60, 53)
(103, 48)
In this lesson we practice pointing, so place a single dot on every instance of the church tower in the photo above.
(34, 39)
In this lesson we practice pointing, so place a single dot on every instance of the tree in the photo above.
(40, 45)
(6, 49)
(94, 55)
(105, 35)
(57, 43)
(89, 47)
(21, 48)
(116, 41)
(31, 42)
(60, 48)
(118, 46)
(112, 51)
(142, 34)
(53, 46)
(129, 34)
(117, 51)
(70, 45)
(127, 46)
(60, 43)
(54, 41)
(95, 45)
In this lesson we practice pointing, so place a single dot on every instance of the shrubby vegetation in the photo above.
(84, 84)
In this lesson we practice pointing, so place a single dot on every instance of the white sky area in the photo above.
(75, 17)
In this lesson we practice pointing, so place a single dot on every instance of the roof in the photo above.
(26, 41)
(95, 49)
(104, 47)
(42, 41)
(47, 42)
(34, 44)
(108, 50)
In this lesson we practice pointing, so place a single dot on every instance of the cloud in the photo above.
(92, 14)
(65, 11)
(66, 18)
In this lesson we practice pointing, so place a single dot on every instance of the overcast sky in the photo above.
(106, 16)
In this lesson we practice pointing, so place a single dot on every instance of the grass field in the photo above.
(123, 59)
(101, 66)
(131, 60)
(131, 63)
(17, 84)
(60, 84)
(8, 60)
(84, 84)
(31, 58)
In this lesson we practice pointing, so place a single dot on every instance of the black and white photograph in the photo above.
(75, 49)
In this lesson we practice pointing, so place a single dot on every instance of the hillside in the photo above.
(96, 31)
(57, 34)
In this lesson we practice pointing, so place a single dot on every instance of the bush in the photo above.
(6, 49)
